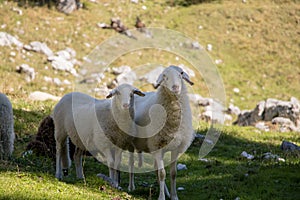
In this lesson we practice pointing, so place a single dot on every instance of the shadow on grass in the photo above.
(226, 175)
(36, 3)
(186, 3)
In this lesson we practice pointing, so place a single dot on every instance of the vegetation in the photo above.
(258, 42)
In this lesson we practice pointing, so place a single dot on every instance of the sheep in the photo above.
(90, 124)
(176, 134)
(7, 134)
(44, 142)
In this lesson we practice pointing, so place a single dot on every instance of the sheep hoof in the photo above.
(65, 172)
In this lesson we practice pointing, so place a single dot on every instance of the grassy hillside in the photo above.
(258, 42)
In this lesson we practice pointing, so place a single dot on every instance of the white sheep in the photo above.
(175, 134)
(98, 126)
(7, 135)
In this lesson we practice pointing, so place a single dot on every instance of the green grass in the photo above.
(258, 42)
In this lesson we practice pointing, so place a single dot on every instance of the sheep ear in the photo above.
(138, 92)
(159, 81)
(186, 78)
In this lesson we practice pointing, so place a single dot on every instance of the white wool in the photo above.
(91, 123)
(7, 135)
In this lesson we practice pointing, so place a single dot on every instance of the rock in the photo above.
(67, 6)
(93, 78)
(60, 63)
(246, 155)
(204, 160)
(198, 100)
(218, 61)
(262, 126)
(102, 25)
(57, 81)
(42, 96)
(209, 47)
(269, 155)
(289, 146)
(121, 70)
(67, 82)
(17, 10)
(214, 112)
(280, 159)
(64, 54)
(9, 40)
(180, 188)
(48, 79)
(196, 45)
(152, 76)
(67, 54)
(101, 91)
(29, 71)
(13, 54)
(233, 110)
(39, 47)
(236, 90)
(181, 167)
(208, 141)
(128, 77)
(284, 123)
(250, 118)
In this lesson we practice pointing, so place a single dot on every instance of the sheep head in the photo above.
(124, 94)
(172, 78)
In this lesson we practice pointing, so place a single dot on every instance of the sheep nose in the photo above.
(175, 88)
(126, 105)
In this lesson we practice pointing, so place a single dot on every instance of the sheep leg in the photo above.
(78, 163)
(131, 185)
(173, 173)
(109, 154)
(58, 173)
(161, 174)
(118, 156)
(65, 157)
(167, 193)
(141, 159)
(59, 150)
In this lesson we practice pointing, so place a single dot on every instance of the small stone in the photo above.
(144, 7)
(56, 81)
(196, 45)
(47, 79)
(246, 155)
(13, 54)
(236, 90)
(204, 160)
(181, 167)
(29, 71)
(280, 159)
(42, 96)
(209, 47)
(218, 61)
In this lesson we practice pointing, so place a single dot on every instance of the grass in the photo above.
(259, 46)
